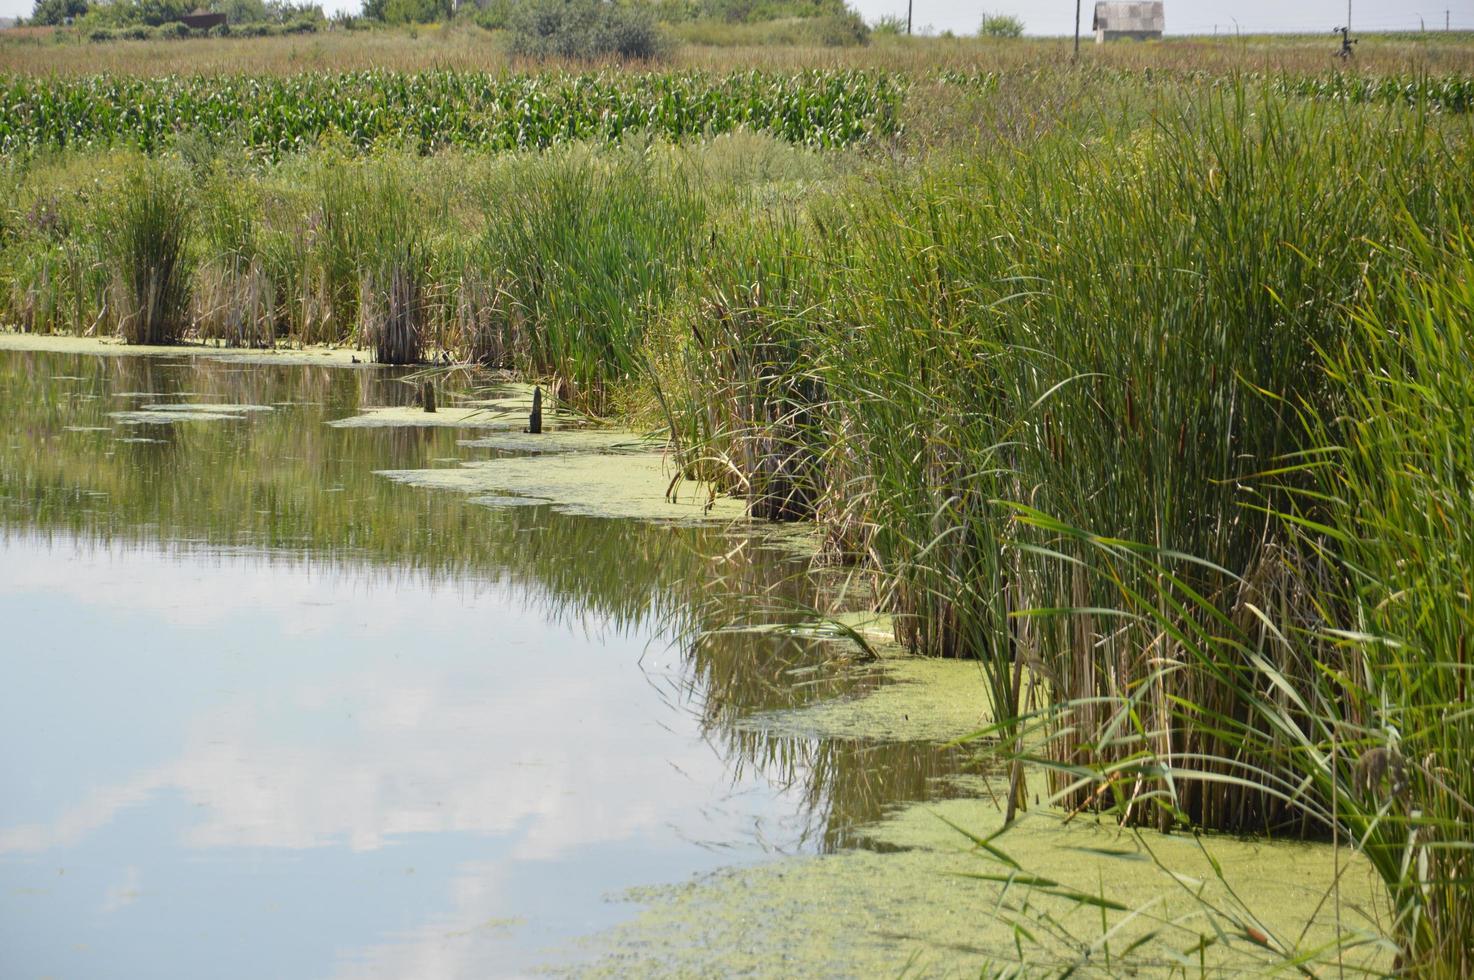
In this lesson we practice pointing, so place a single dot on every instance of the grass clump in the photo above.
(1394, 485)
(148, 251)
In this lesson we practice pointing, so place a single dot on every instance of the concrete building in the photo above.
(1138, 20)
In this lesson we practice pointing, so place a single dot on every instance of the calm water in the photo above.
(264, 713)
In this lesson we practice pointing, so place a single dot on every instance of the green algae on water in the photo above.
(115, 347)
(629, 485)
(921, 907)
(563, 441)
(507, 412)
(451, 417)
(922, 699)
(166, 414)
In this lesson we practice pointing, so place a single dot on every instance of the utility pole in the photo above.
(908, 17)
(1077, 30)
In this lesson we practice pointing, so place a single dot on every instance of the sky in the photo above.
(1190, 16)
(1183, 16)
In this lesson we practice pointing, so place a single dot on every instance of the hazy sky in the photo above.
(1190, 16)
(1183, 16)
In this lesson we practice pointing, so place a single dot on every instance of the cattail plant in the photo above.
(148, 233)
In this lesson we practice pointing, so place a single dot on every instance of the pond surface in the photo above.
(265, 713)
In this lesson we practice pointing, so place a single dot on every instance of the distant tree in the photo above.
(241, 11)
(584, 30)
(57, 11)
(754, 11)
(416, 11)
(136, 13)
(284, 11)
(494, 15)
(1001, 25)
(407, 11)
(842, 30)
(889, 24)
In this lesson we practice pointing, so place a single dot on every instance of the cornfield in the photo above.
(435, 110)
(1438, 93)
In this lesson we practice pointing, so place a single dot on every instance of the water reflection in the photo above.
(277, 715)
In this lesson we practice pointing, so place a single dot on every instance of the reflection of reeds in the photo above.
(845, 783)
(300, 490)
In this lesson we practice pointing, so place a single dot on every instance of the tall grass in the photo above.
(1370, 741)
(1394, 487)
(1119, 333)
(390, 238)
(234, 295)
(583, 251)
(149, 253)
(732, 366)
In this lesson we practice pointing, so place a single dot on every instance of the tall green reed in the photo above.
(585, 248)
(732, 364)
(149, 253)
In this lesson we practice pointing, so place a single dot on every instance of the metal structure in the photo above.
(1137, 20)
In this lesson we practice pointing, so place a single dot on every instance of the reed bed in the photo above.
(1056, 399)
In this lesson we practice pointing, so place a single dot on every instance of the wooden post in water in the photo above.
(535, 420)
(427, 396)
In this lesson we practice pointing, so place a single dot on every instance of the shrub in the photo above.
(1001, 25)
(841, 30)
(148, 234)
(493, 15)
(889, 26)
(584, 30)
(415, 11)
(57, 11)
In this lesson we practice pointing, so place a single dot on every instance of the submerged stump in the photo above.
(535, 420)
(427, 396)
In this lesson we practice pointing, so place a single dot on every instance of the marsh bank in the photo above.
(301, 685)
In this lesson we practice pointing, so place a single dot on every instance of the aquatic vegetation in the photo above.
(1074, 897)
(595, 484)
(148, 239)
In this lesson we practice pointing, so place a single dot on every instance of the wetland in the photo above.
(280, 711)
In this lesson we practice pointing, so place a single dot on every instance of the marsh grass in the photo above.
(732, 366)
(234, 293)
(1335, 686)
(582, 252)
(149, 256)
